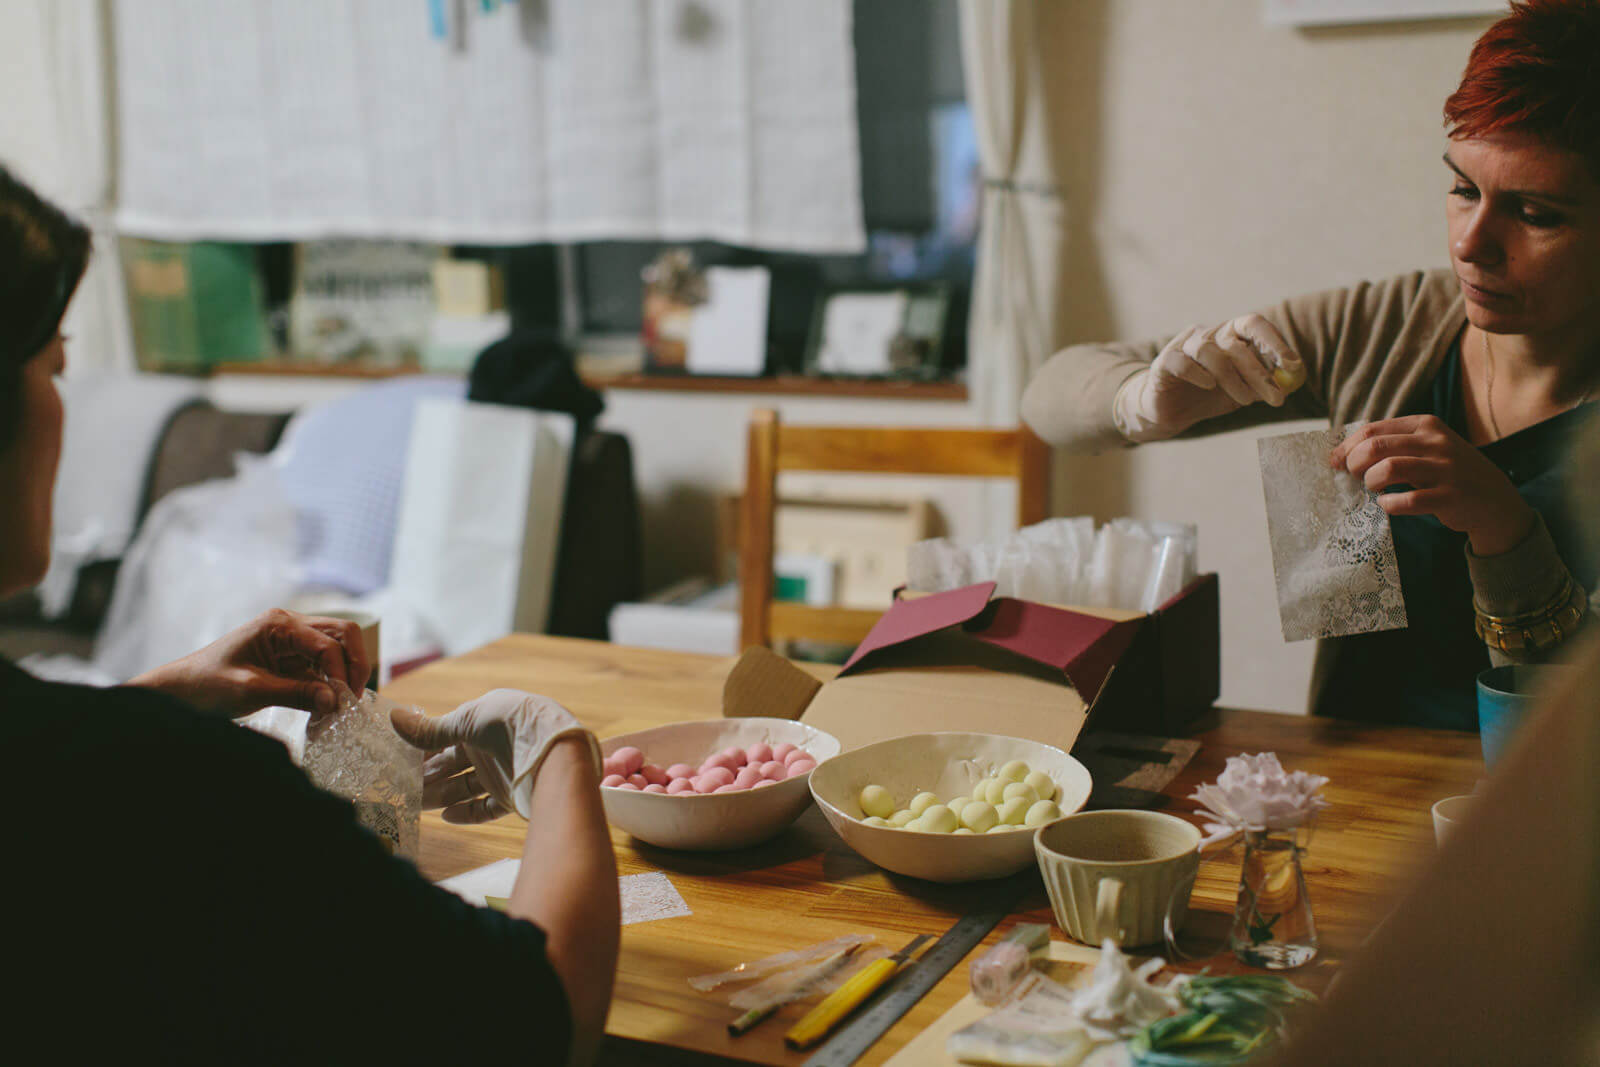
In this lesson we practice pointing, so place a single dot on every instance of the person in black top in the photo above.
(178, 890)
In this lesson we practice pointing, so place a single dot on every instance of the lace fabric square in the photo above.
(1332, 550)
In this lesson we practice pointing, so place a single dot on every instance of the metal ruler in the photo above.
(859, 1033)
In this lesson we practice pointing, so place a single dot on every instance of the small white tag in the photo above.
(645, 897)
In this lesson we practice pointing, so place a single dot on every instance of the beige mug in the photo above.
(1114, 874)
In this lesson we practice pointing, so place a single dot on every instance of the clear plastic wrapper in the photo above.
(355, 753)
(782, 962)
(1130, 564)
(770, 983)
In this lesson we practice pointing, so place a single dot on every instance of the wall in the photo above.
(1220, 164)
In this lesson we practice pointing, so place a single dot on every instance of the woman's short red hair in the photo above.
(1537, 72)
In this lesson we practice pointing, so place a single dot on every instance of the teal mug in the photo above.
(1504, 696)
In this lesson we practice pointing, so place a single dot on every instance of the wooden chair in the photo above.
(773, 447)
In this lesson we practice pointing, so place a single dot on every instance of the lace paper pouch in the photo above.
(1332, 551)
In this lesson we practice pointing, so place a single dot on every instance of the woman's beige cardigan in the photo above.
(1371, 352)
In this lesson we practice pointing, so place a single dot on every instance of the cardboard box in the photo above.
(967, 660)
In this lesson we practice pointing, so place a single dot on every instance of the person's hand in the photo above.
(484, 756)
(1444, 477)
(1203, 373)
(278, 658)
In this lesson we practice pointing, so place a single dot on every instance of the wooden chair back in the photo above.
(773, 447)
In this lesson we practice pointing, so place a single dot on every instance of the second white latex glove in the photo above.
(494, 745)
(1203, 373)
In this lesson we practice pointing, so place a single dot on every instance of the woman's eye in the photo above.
(1465, 192)
(1540, 218)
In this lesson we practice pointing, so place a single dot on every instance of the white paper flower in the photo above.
(1256, 793)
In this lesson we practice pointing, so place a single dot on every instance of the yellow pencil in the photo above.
(842, 1001)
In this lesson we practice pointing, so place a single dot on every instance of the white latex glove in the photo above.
(492, 745)
(1205, 373)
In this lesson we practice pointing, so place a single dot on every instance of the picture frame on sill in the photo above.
(879, 331)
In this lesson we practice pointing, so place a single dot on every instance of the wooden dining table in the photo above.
(806, 885)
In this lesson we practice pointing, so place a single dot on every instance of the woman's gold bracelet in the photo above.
(1538, 630)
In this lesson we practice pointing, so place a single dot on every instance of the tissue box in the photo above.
(965, 660)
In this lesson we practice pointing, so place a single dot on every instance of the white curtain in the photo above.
(1015, 323)
(55, 134)
(544, 120)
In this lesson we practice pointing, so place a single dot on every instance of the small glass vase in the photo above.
(1272, 922)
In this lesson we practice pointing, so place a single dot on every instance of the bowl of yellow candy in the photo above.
(948, 807)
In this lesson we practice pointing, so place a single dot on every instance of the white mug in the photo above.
(1447, 813)
(371, 632)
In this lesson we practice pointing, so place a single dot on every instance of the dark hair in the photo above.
(43, 253)
(1536, 71)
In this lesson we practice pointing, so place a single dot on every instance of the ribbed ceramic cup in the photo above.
(1114, 873)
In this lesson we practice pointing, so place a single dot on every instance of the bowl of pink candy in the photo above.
(712, 784)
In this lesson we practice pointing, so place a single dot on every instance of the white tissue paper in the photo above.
(1129, 564)
(1332, 552)
(1045, 1024)
(1121, 1000)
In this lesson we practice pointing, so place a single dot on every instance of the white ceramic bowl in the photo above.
(948, 764)
(713, 821)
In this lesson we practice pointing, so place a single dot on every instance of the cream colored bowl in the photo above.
(714, 821)
(949, 765)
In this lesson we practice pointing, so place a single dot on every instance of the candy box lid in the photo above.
(968, 660)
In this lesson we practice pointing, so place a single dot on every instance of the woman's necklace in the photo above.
(1488, 387)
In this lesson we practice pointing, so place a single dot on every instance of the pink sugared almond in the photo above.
(731, 770)
(717, 776)
(721, 759)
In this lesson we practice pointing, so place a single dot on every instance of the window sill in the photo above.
(782, 385)
(291, 368)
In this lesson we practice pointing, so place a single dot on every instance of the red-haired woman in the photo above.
(1471, 382)
(188, 893)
